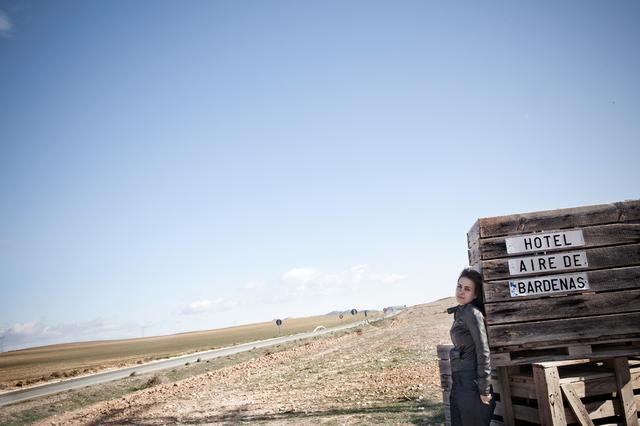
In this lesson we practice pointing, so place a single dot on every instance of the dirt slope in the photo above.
(383, 373)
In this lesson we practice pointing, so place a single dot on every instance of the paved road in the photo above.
(79, 382)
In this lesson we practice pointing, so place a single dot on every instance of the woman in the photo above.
(471, 399)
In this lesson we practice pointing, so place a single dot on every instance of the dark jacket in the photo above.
(471, 348)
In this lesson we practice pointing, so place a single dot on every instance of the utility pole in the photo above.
(2, 343)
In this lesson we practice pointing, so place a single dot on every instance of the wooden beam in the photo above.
(560, 219)
(617, 279)
(501, 359)
(625, 391)
(549, 395)
(505, 396)
(534, 334)
(569, 306)
(594, 236)
(474, 233)
(443, 351)
(599, 258)
(579, 410)
(474, 253)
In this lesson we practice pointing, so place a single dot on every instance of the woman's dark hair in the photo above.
(476, 277)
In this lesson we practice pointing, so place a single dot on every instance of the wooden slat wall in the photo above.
(608, 311)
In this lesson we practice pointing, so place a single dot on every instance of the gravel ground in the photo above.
(384, 373)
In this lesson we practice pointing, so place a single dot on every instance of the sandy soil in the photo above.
(383, 373)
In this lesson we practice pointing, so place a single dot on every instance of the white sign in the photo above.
(548, 263)
(548, 284)
(543, 242)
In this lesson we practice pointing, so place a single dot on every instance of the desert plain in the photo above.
(380, 373)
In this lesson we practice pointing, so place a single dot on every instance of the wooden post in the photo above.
(505, 396)
(549, 395)
(445, 379)
(625, 391)
(578, 408)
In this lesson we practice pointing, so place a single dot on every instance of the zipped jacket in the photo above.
(471, 347)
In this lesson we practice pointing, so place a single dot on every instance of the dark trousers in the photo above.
(466, 407)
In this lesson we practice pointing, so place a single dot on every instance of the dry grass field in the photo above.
(47, 363)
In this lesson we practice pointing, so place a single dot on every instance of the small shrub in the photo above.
(153, 381)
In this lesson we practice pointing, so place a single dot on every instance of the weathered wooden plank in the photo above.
(474, 253)
(532, 334)
(598, 258)
(443, 351)
(524, 387)
(445, 367)
(474, 233)
(600, 280)
(477, 266)
(549, 395)
(626, 211)
(579, 410)
(521, 412)
(596, 410)
(505, 396)
(501, 359)
(625, 391)
(601, 409)
(447, 407)
(570, 306)
(594, 236)
(528, 414)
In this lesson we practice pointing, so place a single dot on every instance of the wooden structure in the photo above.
(594, 391)
(562, 300)
(584, 392)
(601, 319)
(445, 379)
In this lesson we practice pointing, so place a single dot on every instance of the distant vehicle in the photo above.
(318, 328)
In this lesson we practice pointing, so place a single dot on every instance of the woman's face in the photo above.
(465, 291)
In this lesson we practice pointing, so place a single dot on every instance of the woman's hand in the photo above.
(486, 399)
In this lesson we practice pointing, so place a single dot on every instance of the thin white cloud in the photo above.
(303, 282)
(37, 333)
(301, 275)
(5, 24)
(206, 305)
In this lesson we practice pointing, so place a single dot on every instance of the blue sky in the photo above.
(181, 166)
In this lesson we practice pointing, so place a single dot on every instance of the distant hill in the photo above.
(346, 311)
